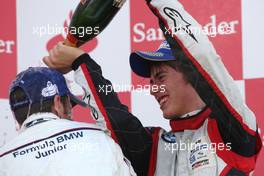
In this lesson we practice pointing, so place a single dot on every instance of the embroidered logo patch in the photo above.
(200, 155)
(179, 22)
(169, 137)
(50, 90)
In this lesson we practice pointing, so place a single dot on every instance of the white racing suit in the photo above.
(222, 139)
(49, 146)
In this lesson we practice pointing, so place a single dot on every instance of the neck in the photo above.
(193, 103)
(46, 116)
(192, 123)
(192, 113)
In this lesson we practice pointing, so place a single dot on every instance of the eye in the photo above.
(161, 77)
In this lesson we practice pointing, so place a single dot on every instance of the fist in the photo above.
(61, 57)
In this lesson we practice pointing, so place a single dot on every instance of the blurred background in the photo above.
(29, 28)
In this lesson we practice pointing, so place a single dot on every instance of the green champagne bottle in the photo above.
(90, 18)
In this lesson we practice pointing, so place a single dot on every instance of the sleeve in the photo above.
(134, 140)
(231, 120)
(124, 167)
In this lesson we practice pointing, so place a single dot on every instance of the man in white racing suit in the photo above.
(213, 132)
(48, 143)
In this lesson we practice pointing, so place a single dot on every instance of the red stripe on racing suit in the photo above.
(134, 140)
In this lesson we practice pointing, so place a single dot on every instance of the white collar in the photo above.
(47, 116)
(189, 114)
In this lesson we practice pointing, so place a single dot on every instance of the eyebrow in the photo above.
(159, 73)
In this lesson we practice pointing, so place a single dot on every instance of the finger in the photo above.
(53, 57)
(51, 53)
(60, 44)
(56, 46)
(48, 62)
(55, 52)
(60, 47)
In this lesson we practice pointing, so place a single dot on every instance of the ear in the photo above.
(57, 106)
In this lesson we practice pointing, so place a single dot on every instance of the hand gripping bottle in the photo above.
(89, 19)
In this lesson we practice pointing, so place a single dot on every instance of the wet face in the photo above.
(174, 91)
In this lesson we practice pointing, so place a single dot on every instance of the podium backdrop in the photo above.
(29, 28)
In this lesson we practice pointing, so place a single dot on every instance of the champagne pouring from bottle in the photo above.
(89, 19)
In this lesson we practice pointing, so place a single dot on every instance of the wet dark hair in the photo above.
(23, 112)
(186, 69)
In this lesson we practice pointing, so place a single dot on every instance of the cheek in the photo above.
(162, 88)
(174, 101)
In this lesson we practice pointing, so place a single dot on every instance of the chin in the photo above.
(169, 116)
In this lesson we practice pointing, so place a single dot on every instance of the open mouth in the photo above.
(162, 100)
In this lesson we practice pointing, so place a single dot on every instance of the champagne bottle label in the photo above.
(83, 1)
(118, 3)
(90, 18)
